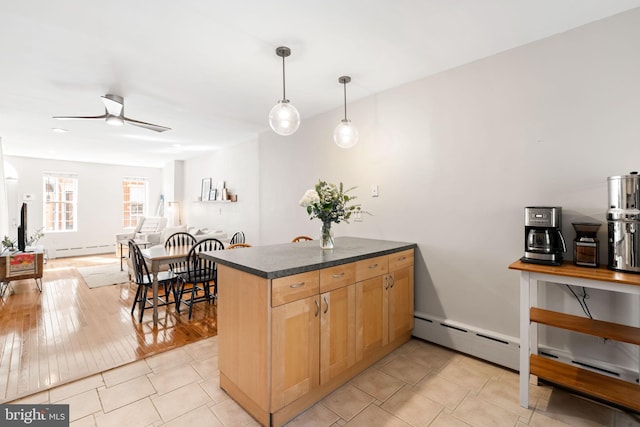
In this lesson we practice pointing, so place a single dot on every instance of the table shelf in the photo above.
(597, 385)
(598, 328)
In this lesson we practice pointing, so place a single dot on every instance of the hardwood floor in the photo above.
(69, 331)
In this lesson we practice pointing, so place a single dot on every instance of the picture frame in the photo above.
(213, 194)
(219, 187)
(205, 189)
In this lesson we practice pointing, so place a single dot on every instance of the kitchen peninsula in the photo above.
(295, 322)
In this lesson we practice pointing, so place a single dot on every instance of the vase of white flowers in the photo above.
(329, 203)
(326, 235)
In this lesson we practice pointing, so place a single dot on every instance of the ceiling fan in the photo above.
(114, 115)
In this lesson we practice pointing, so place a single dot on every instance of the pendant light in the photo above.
(284, 118)
(346, 134)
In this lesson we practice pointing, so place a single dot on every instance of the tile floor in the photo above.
(419, 384)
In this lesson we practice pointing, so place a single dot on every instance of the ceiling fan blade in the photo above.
(104, 116)
(114, 104)
(146, 125)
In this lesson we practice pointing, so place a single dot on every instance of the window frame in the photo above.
(60, 200)
(127, 215)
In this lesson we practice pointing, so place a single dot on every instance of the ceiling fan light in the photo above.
(284, 118)
(114, 120)
(345, 135)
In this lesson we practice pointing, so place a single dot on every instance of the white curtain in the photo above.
(4, 208)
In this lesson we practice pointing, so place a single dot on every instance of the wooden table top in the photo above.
(569, 269)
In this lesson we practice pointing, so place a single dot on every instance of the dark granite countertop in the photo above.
(281, 260)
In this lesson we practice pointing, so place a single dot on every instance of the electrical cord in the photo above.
(582, 301)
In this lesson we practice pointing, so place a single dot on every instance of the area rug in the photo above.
(103, 275)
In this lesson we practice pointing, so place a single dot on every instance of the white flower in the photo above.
(309, 198)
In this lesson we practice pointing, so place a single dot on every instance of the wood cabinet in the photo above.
(323, 327)
(337, 321)
(294, 350)
(384, 303)
(400, 300)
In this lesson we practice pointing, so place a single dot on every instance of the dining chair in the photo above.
(238, 237)
(181, 238)
(239, 245)
(144, 281)
(200, 278)
(300, 239)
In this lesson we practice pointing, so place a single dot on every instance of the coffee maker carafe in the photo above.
(543, 241)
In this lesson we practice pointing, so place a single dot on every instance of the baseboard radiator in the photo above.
(80, 250)
(501, 349)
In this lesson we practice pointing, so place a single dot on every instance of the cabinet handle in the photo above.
(327, 303)
(317, 307)
(386, 282)
(373, 266)
(337, 276)
(296, 285)
(402, 258)
(393, 281)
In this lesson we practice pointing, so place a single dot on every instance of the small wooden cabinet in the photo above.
(384, 303)
(294, 350)
(324, 326)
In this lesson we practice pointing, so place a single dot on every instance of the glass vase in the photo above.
(326, 236)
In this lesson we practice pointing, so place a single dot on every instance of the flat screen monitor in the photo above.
(22, 228)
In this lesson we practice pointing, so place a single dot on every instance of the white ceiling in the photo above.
(208, 68)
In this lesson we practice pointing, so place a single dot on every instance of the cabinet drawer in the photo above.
(400, 260)
(295, 287)
(337, 277)
(372, 267)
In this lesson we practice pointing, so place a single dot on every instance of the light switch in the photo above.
(374, 190)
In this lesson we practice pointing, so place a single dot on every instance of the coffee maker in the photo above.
(543, 241)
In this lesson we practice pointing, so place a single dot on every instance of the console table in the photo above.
(20, 266)
(604, 387)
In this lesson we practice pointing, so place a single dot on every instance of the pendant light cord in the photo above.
(345, 100)
(284, 94)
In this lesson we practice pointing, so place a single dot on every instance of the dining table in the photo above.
(157, 256)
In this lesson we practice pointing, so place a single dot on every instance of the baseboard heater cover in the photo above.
(501, 349)
(496, 348)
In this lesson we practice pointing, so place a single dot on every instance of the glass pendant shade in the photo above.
(284, 118)
(345, 135)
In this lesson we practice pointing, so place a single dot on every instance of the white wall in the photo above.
(458, 156)
(238, 167)
(99, 202)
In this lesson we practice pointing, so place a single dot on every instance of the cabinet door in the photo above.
(337, 332)
(372, 316)
(295, 350)
(400, 291)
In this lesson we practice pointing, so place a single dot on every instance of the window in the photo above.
(134, 201)
(60, 202)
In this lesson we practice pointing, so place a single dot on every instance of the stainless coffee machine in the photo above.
(543, 241)
(623, 220)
